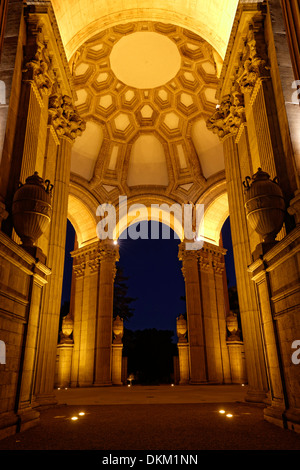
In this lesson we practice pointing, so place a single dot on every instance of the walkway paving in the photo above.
(152, 419)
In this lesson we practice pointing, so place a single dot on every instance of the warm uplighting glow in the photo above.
(172, 385)
(145, 59)
(115, 242)
(74, 418)
(229, 415)
(81, 413)
(222, 411)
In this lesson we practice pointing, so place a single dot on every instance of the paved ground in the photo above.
(153, 418)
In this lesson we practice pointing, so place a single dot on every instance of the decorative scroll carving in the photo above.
(229, 116)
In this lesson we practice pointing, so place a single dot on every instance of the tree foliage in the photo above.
(122, 301)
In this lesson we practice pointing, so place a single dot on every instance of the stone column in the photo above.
(65, 353)
(117, 348)
(211, 268)
(197, 360)
(228, 121)
(236, 350)
(109, 254)
(70, 126)
(183, 351)
(79, 264)
(261, 278)
(26, 414)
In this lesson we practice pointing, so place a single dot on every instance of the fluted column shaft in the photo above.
(52, 294)
(246, 289)
(103, 350)
(198, 368)
(211, 268)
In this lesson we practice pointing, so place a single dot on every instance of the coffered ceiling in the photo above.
(145, 90)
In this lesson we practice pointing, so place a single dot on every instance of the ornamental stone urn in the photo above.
(181, 328)
(118, 329)
(67, 329)
(31, 209)
(265, 205)
(233, 327)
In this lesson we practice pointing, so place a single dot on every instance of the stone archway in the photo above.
(62, 83)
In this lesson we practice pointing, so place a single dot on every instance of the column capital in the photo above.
(211, 258)
(63, 115)
(229, 116)
(108, 251)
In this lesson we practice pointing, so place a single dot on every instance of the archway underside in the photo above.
(79, 20)
(146, 135)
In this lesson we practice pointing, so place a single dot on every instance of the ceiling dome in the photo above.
(145, 90)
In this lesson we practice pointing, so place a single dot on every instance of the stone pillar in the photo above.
(183, 351)
(109, 254)
(211, 269)
(236, 350)
(228, 122)
(197, 359)
(79, 264)
(26, 414)
(117, 348)
(65, 353)
(86, 275)
(69, 127)
(262, 281)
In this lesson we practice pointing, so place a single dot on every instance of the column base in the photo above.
(292, 419)
(256, 396)
(27, 418)
(8, 424)
(44, 401)
(103, 384)
(275, 415)
(198, 382)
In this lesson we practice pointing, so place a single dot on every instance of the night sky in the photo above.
(154, 278)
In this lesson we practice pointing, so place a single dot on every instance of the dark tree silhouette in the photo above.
(122, 301)
(150, 355)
